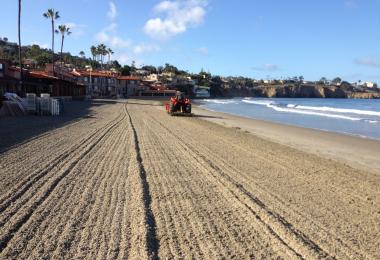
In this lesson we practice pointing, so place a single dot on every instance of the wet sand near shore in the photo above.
(357, 152)
(130, 181)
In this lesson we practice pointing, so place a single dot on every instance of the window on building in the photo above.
(1, 67)
(85, 79)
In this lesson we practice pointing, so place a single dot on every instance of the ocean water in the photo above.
(357, 117)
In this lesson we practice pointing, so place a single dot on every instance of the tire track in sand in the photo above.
(144, 222)
(82, 218)
(11, 227)
(48, 221)
(276, 225)
(196, 218)
(17, 161)
(20, 189)
(328, 244)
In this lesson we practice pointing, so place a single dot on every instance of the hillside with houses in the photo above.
(81, 77)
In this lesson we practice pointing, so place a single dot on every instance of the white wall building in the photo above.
(152, 77)
(368, 84)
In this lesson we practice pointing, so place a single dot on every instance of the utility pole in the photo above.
(90, 84)
(19, 46)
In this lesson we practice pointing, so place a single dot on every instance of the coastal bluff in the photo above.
(300, 91)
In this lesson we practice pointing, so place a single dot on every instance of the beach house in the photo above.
(9, 78)
(201, 92)
(63, 83)
(369, 84)
(128, 86)
(99, 83)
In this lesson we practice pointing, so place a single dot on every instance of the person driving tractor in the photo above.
(179, 96)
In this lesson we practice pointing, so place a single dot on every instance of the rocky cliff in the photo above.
(363, 95)
(300, 91)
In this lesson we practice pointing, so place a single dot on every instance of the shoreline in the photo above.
(198, 105)
(355, 151)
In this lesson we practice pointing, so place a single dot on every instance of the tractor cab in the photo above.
(179, 96)
(179, 104)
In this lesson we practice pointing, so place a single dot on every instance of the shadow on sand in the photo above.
(144, 104)
(206, 116)
(16, 130)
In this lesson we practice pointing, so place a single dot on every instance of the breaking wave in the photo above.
(316, 111)
(220, 101)
(337, 110)
(356, 117)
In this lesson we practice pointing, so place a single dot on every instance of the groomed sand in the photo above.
(130, 181)
(355, 151)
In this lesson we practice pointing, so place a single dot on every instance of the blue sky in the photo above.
(259, 39)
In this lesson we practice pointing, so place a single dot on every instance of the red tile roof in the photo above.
(158, 87)
(41, 75)
(97, 73)
(75, 73)
(127, 78)
(16, 68)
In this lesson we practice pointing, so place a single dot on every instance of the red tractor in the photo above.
(178, 105)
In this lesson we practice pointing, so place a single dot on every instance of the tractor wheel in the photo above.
(171, 108)
(188, 109)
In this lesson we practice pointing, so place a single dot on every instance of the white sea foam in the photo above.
(348, 120)
(219, 101)
(290, 108)
(339, 110)
(258, 102)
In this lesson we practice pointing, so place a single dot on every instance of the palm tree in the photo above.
(19, 41)
(102, 50)
(109, 52)
(52, 15)
(93, 52)
(63, 30)
(82, 54)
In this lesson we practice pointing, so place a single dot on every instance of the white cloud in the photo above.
(118, 42)
(76, 29)
(267, 67)
(109, 36)
(203, 50)
(113, 40)
(111, 28)
(112, 12)
(102, 36)
(126, 59)
(144, 48)
(166, 6)
(371, 62)
(42, 45)
(176, 17)
(123, 58)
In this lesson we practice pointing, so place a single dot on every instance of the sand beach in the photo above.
(126, 180)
